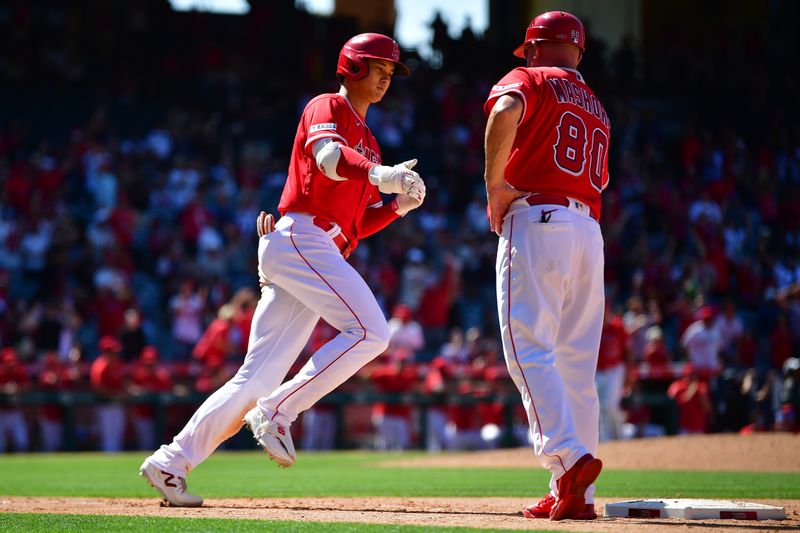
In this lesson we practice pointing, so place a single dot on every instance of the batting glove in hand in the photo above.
(265, 223)
(398, 179)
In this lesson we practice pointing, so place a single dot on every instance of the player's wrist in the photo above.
(396, 208)
(404, 203)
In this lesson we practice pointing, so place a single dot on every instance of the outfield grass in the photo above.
(252, 475)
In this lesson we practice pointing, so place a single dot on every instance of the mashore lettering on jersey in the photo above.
(569, 92)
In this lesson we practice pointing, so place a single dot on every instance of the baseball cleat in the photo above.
(275, 438)
(171, 487)
(542, 509)
(572, 486)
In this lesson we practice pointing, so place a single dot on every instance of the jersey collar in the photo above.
(574, 71)
(360, 119)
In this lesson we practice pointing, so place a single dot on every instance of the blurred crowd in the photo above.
(137, 146)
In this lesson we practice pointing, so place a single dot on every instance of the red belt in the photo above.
(553, 199)
(339, 240)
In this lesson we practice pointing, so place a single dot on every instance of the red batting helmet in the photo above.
(553, 26)
(356, 51)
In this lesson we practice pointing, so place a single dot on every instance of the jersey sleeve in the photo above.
(323, 120)
(517, 83)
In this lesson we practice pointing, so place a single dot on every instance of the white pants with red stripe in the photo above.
(550, 299)
(309, 279)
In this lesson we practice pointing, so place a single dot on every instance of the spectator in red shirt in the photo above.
(54, 377)
(491, 411)
(694, 401)
(244, 303)
(437, 385)
(435, 304)
(211, 377)
(217, 342)
(147, 377)
(656, 353)
(106, 378)
(109, 309)
(392, 420)
(13, 381)
(405, 334)
(464, 426)
(614, 359)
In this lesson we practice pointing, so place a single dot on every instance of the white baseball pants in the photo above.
(319, 429)
(51, 433)
(550, 300)
(610, 383)
(309, 279)
(111, 426)
(13, 424)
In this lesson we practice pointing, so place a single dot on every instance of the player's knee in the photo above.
(378, 336)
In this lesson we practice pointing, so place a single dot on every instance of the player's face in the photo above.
(377, 82)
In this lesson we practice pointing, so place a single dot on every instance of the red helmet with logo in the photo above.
(554, 26)
(355, 52)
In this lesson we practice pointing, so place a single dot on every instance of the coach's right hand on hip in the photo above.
(265, 223)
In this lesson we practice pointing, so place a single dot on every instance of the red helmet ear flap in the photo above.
(356, 68)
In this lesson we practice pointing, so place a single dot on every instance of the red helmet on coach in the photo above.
(355, 52)
(554, 26)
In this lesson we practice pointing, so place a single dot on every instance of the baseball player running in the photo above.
(330, 201)
(546, 165)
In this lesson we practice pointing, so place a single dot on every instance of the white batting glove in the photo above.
(265, 223)
(403, 203)
(398, 179)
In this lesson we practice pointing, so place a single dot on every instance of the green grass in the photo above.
(45, 523)
(252, 475)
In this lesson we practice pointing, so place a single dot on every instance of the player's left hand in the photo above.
(265, 223)
(403, 203)
(500, 199)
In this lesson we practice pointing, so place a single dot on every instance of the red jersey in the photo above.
(613, 342)
(13, 376)
(392, 380)
(692, 401)
(561, 145)
(54, 377)
(151, 379)
(106, 376)
(213, 347)
(307, 189)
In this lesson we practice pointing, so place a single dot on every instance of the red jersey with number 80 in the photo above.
(561, 145)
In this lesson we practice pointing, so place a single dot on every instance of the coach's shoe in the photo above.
(275, 438)
(542, 509)
(171, 487)
(572, 486)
